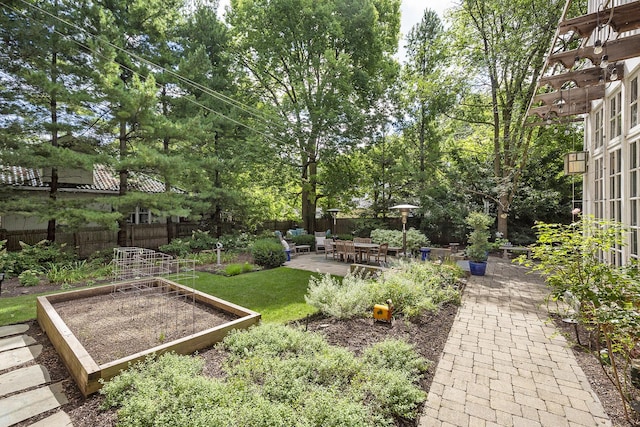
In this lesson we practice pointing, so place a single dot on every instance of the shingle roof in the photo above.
(105, 178)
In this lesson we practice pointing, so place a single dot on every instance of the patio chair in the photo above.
(339, 250)
(329, 248)
(349, 251)
(320, 239)
(382, 253)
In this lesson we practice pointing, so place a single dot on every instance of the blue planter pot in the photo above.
(477, 268)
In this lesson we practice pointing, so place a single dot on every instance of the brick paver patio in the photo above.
(505, 365)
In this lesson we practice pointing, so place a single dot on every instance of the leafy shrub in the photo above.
(101, 257)
(33, 257)
(75, 272)
(233, 269)
(414, 288)
(268, 253)
(305, 239)
(342, 299)
(275, 376)
(29, 278)
(345, 236)
(177, 248)
(418, 287)
(238, 241)
(396, 355)
(247, 268)
(415, 239)
(478, 238)
(4, 258)
(364, 226)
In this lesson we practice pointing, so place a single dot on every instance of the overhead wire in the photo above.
(216, 95)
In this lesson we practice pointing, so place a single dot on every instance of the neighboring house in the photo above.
(103, 184)
(599, 83)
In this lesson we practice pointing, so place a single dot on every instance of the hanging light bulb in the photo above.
(600, 79)
(597, 47)
(604, 62)
(614, 74)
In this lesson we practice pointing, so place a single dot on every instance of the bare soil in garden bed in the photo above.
(113, 326)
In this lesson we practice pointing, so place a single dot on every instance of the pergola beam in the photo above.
(582, 78)
(616, 50)
(625, 18)
(566, 97)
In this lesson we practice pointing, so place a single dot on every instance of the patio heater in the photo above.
(404, 211)
(334, 215)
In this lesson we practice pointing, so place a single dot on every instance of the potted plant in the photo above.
(478, 242)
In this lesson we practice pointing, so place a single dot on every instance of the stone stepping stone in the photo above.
(23, 406)
(6, 331)
(19, 356)
(59, 419)
(23, 378)
(16, 342)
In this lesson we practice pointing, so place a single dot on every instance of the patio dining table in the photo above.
(363, 249)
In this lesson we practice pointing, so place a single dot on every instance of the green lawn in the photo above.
(277, 294)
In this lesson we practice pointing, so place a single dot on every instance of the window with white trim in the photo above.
(598, 130)
(633, 103)
(615, 198)
(141, 216)
(598, 195)
(615, 116)
(634, 199)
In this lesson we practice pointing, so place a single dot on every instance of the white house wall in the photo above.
(620, 195)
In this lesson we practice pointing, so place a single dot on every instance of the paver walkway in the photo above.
(26, 391)
(503, 365)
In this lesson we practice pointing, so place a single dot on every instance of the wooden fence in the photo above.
(88, 241)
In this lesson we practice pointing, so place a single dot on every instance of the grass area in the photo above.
(17, 309)
(277, 294)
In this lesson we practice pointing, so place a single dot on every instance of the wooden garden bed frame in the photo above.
(87, 373)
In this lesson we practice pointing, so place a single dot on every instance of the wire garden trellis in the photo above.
(159, 310)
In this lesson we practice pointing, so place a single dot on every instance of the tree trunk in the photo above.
(309, 195)
(124, 174)
(503, 211)
(53, 188)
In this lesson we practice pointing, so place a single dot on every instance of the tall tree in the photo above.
(45, 74)
(318, 66)
(131, 34)
(430, 92)
(505, 41)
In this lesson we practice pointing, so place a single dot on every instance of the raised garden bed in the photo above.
(91, 329)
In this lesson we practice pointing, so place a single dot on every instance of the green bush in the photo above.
(413, 287)
(268, 253)
(344, 236)
(415, 239)
(478, 238)
(305, 239)
(275, 376)
(4, 258)
(418, 287)
(342, 299)
(238, 241)
(29, 278)
(233, 269)
(177, 247)
(101, 257)
(33, 257)
(396, 355)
